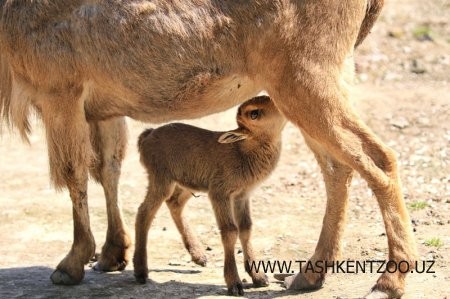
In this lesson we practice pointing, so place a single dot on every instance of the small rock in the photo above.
(433, 255)
(363, 77)
(396, 32)
(423, 121)
(244, 280)
(400, 123)
(439, 222)
(423, 33)
(175, 263)
(208, 248)
(390, 76)
(417, 67)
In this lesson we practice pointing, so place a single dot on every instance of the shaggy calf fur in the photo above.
(181, 159)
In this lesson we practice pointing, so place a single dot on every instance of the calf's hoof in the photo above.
(141, 276)
(236, 289)
(281, 276)
(61, 277)
(382, 293)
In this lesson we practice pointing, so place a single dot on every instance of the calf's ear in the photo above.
(231, 136)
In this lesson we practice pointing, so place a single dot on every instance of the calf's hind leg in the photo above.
(176, 204)
(109, 141)
(70, 155)
(324, 114)
(158, 191)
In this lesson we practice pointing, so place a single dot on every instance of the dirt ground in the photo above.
(402, 92)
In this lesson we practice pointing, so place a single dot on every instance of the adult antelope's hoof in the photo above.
(109, 267)
(115, 254)
(236, 290)
(63, 278)
(378, 293)
(299, 282)
(200, 260)
(260, 281)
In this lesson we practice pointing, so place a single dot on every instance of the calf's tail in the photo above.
(142, 138)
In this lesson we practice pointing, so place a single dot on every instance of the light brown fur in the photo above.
(181, 159)
(83, 61)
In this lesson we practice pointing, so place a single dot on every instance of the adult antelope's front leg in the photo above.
(71, 269)
(70, 155)
(329, 120)
(109, 140)
(337, 178)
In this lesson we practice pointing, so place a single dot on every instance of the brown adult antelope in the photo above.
(84, 64)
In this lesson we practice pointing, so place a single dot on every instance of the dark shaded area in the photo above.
(34, 282)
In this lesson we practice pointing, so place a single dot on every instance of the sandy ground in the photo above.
(403, 93)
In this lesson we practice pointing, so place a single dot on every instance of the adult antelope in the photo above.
(85, 64)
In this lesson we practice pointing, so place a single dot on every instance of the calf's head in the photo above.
(257, 118)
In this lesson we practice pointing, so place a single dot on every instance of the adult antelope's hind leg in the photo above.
(337, 178)
(243, 218)
(109, 140)
(176, 204)
(323, 113)
(70, 155)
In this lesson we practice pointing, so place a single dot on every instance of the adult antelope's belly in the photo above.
(201, 96)
(169, 100)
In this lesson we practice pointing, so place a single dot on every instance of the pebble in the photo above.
(400, 123)
(417, 67)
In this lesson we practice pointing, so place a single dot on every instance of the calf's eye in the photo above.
(254, 114)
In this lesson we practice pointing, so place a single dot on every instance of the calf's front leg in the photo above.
(242, 215)
(223, 210)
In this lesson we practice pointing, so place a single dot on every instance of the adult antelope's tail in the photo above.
(5, 91)
(14, 102)
(14, 105)
(372, 12)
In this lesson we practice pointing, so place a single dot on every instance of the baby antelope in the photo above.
(181, 159)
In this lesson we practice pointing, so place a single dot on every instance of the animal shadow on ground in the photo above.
(34, 282)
